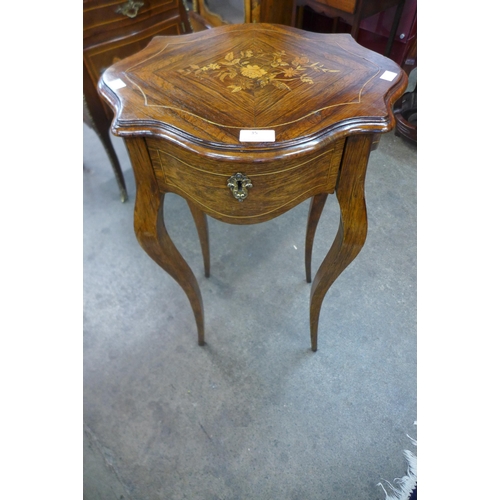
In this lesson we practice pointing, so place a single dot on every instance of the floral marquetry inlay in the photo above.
(250, 70)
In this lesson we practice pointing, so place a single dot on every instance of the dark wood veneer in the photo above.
(110, 35)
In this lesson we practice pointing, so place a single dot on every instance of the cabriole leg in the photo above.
(152, 235)
(353, 225)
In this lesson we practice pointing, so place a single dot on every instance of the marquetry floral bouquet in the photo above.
(258, 69)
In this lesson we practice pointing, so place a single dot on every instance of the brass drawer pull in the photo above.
(130, 9)
(239, 185)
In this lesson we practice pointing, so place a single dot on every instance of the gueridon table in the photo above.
(245, 122)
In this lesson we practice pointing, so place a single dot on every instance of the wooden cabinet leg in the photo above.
(394, 28)
(355, 27)
(200, 220)
(95, 117)
(152, 235)
(353, 225)
(115, 163)
(315, 210)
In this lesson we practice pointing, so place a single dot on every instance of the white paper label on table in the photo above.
(389, 76)
(116, 84)
(257, 136)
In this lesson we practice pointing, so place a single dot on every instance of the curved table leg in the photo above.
(99, 123)
(200, 220)
(315, 210)
(115, 164)
(152, 235)
(353, 226)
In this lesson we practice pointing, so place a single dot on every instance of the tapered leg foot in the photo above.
(100, 124)
(155, 240)
(115, 164)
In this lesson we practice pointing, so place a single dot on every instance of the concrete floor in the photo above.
(254, 414)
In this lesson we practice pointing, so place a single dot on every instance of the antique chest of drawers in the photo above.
(113, 30)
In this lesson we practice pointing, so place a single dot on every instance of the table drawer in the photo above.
(276, 185)
(124, 15)
(98, 58)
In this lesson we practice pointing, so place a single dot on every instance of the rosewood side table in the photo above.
(245, 122)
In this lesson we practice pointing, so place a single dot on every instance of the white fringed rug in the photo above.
(404, 488)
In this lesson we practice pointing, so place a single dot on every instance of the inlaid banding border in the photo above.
(274, 172)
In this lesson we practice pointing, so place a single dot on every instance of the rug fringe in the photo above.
(406, 484)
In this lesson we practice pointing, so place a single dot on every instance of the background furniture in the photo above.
(220, 12)
(254, 11)
(354, 11)
(113, 30)
(388, 27)
(210, 19)
(374, 32)
(261, 119)
(405, 108)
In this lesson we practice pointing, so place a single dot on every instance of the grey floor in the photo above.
(254, 414)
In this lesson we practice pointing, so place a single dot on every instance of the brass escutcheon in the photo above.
(239, 185)
(130, 9)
